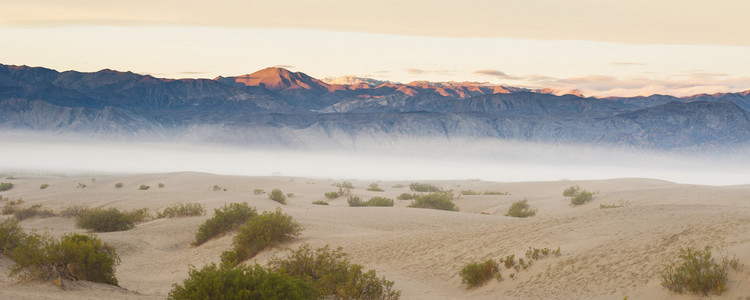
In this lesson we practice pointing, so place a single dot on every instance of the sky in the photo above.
(603, 48)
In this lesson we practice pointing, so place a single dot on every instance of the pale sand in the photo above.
(606, 253)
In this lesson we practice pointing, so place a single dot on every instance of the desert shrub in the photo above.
(143, 187)
(320, 202)
(33, 211)
(258, 192)
(379, 201)
(508, 261)
(11, 235)
(9, 208)
(407, 196)
(43, 186)
(695, 272)
(139, 215)
(521, 209)
(398, 186)
(4, 186)
(581, 197)
(160, 185)
(355, 201)
(476, 274)
(218, 188)
(375, 188)
(571, 191)
(73, 211)
(540, 253)
(241, 282)
(332, 195)
(495, 193)
(424, 187)
(469, 193)
(74, 257)
(278, 196)
(344, 185)
(290, 195)
(118, 185)
(333, 275)
(266, 230)
(437, 200)
(81, 185)
(225, 219)
(178, 210)
(104, 220)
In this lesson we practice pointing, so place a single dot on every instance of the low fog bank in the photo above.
(489, 160)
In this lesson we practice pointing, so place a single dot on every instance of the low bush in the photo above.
(333, 275)
(178, 210)
(43, 186)
(225, 219)
(521, 209)
(571, 191)
(375, 188)
(424, 187)
(332, 195)
(266, 230)
(619, 204)
(437, 200)
(33, 211)
(9, 208)
(160, 185)
(475, 274)
(398, 186)
(320, 202)
(81, 185)
(139, 215)
(258, 192)
(470, 193)
(290, 195)
(218, 188)
(73, 211)
(581, 198)
(4, 186)
(11, 235)
(118, 185)
(407, 196)
(104, 220)
(695, 272)
(344, 185)
(241, 282)
(143, 187)
(355, 201)
(379, 201)
(74, 257)
(495, 193)
(278, 196)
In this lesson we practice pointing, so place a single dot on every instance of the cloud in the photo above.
(284, 66)
(496, 73)
(415, 71)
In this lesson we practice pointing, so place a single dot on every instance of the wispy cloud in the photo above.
(284, 66)
(496, 73)
(415, 71)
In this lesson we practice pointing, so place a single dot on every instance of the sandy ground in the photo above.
(606, 253)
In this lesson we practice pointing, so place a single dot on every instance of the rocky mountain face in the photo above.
(278, 108)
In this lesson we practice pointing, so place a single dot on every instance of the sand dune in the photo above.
(606, 253)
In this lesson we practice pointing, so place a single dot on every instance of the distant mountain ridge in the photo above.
(275, 107)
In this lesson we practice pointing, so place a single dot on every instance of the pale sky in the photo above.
(604, 48)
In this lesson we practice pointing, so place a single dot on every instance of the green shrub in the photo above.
(9, 208)
(581, 198)
(74, 257)
(475, 274)
(258, 192)
(320, 202)
(11, 235)
(73, 211)
(355, 201)
(241, 282)
(104, 220)
(266, 230)
(33, 211)
(118, 185)
(139, 215)
(344, 185)
(469, 193)
(278, 196)
(495, 193)
(571, 191)
(4, 186)
(379, 201)
(218, 188)
(160, 185)
(424, 187)
(437, 200)
(619, 204)
(43, 186)
(143, 187)
(375, 188)
(178, 210)
(81, 185)
(696, 272)
(407, 196)
(332, 195)
(521, 209)
(332, 274)
(225, 219)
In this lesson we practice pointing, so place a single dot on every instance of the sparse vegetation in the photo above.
(469, 193)
(225, 219)
(33, 211)
(578, 196)
(571, 191)
(43, 186)
(355, 201)
(73, 211)
(495, 193)
(436, 200)
(424, 187)
(398, 186)
(407, 196)
(160, 185)
(333, 275)
(619, 204)
(344, 185)
(375, 188)
(290, 195)
(143, 187)
(139, 215)
(320, 202)
(521, 209)
(697, 272)
(258, 192)
(11, 235)
(218, 188)
(104, 220)
(475, 274)
(278, 196)
(266, 230)
(332, 195)
(81, 185)
(178, 210)
(118, 185)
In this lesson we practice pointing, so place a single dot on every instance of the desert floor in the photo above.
(606, 253)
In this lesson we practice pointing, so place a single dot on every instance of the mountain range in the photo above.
(275, 107)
